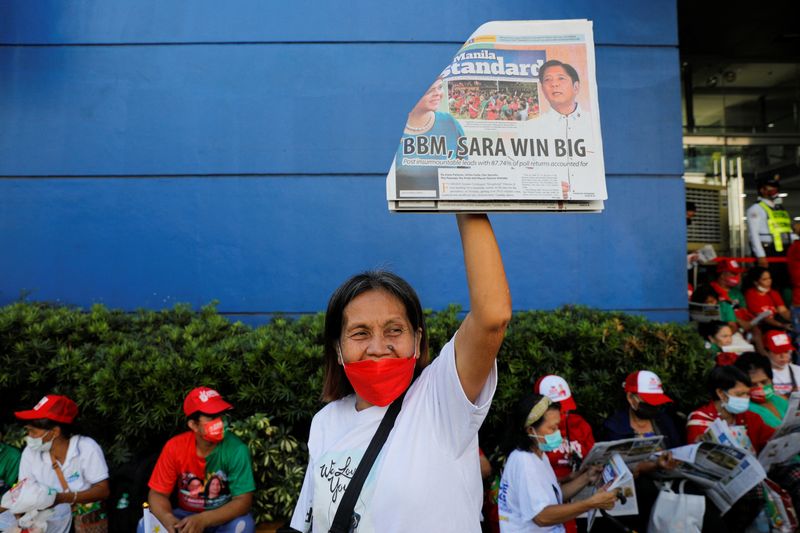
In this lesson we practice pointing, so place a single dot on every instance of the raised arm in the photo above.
(481, 333)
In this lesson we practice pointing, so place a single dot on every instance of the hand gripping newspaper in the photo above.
(617, 456)
(511, 124)
(726, 472)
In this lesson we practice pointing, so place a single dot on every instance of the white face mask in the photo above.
(38, 445)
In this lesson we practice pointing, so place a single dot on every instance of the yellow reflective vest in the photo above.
(779, 223)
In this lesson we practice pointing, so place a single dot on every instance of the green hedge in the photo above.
(129, 373)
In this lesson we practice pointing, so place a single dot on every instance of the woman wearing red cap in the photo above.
(56, 457)
(426, 476)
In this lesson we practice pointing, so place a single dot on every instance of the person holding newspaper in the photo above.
(426, 475)
(578, 436)
(530, 498)
(785, 374)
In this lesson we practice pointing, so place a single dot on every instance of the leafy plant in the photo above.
(129, 373)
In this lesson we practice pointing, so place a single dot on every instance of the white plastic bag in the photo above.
(28, 495)
(677, 512)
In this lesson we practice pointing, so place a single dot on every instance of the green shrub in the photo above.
(129, 373)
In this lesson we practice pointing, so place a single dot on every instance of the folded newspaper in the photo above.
(616, 475)
(630, 450)
(725, 472)
(511, 124)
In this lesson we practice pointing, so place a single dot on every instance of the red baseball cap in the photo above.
(648, 386)
(778, 342)
(556, 388)
(52, 407)
(204, 400)
(729, 265)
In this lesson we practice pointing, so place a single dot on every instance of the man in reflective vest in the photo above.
(770, 228)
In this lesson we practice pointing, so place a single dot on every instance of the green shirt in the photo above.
(779, 402)
(9, 466)
(726, 313)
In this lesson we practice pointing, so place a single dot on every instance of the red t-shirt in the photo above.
(581, 440)
(759, 301)
(699, 420)
(203, 483)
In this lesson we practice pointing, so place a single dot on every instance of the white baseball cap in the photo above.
(556, 388)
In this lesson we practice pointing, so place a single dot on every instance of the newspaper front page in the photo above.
(513, 118)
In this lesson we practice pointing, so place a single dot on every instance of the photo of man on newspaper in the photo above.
(513, 118)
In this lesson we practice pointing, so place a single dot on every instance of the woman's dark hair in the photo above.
(223, 487)
(703, 293)
(67, 430)
(517, 437)
(752, 361)
(336, 385)
(709, 329)
(726, 378)
(752, 276)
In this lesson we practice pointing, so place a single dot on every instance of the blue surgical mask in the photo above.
(551, 443)
(736, 405)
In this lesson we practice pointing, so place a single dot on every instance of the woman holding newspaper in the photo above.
(425, 476)
(531, 498)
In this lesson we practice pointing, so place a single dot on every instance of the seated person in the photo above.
(718, 335)
(785, 374)
(56, 457)
(643, 415)
(212, 470)
(729, 391)
(760, 296)
(9, 467)
(764, 402)
(771, 408)
(727, 283)
(706, 295)
(531, 499)
(578, 436)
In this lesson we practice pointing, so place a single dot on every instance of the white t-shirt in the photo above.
(527, 486)
(427, 475)
(83, 466)
(782, 379)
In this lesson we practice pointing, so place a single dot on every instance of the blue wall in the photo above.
(154, 152)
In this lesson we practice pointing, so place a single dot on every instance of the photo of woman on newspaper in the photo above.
(430, 135)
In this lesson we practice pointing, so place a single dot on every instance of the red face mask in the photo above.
(214, 431)
(732, 281)
(381, 381)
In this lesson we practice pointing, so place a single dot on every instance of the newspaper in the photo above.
(513, 118)
(785, 442)
(726, 472)
(421, 206)
(630, 450)
(616, 475)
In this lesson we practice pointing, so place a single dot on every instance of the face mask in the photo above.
(736, 405)
(647, 411)
(214, 430)
(733, 282)
(381, 381)
(762, 394)
(551, 443)
(38, 445)
(761, 288)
